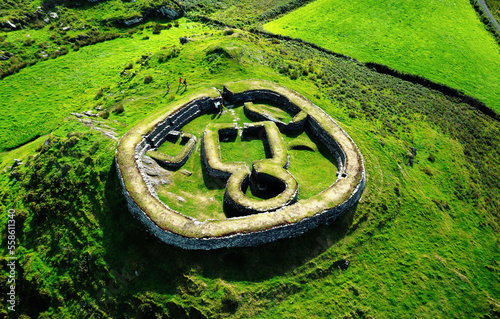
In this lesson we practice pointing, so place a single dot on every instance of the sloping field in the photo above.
(422, 241)
(441, 40)
(34, 102)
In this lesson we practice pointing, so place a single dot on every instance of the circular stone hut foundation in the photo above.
(264, 221)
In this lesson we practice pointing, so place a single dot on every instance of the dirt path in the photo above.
(488, 13)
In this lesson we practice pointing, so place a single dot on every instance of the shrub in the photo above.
(28, 42)
(131, 32)
(104, 114)
(94, 146)
(275, 41)
(172, 53)
(427, 170)
(431, 158)
(157, 28)
(37, 24)
(145, 37)
(72, 141)
(147, 79)
(99, 94)
(118, 109)
(176, 24)
(129, 66)
(283, 69)
(228, 31)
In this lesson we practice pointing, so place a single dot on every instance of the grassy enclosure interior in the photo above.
(311, 164)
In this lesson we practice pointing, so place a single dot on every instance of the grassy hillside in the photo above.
(33, 31)
(239, 13)
(442, 41)
(423, 239)
(36, 102)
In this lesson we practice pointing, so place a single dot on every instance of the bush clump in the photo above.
(104, 114)
(157, 28)
(99, 94)
(228, 31)
(118, 109)
(147, 79)
(172, 52)
(431, 158)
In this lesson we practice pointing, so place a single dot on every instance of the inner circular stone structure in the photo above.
(259, 220)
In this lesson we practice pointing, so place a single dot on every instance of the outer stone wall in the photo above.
(176, 229)
(243, 239)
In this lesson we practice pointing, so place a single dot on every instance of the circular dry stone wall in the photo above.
(264, 221)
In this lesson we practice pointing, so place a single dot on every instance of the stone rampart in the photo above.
(295, 219)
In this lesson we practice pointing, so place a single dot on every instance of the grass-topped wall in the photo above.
(259, 113)
(179, 159)
(264, 193)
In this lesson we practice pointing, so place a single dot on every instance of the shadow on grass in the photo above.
(129, 248)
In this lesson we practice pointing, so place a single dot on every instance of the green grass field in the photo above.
(423, 240)
(37, 102)
(440, 40)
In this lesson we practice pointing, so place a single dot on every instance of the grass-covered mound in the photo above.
(445, 42)
(422, 240)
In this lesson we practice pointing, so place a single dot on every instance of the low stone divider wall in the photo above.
(180, 159)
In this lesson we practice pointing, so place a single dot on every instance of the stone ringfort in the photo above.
(262, 221)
